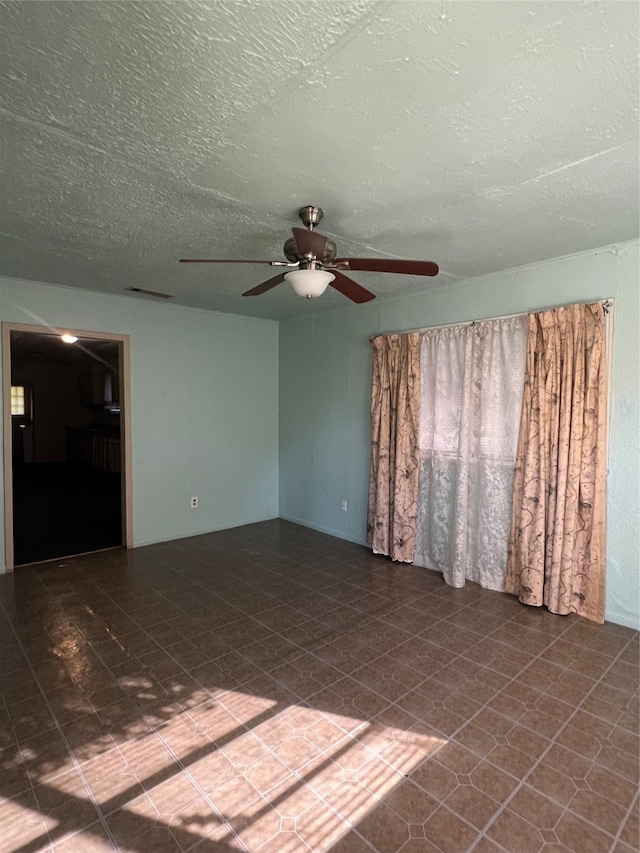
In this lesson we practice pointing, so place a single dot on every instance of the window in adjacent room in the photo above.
(19, 400)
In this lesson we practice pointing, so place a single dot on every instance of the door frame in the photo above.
(123, 342)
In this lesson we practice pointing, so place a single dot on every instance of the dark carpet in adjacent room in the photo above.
(61, 509)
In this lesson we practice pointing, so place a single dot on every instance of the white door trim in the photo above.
(125, 426)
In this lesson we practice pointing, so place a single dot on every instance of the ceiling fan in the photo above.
(313, 265)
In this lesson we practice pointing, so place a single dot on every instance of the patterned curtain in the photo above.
(557, 540)
(393, 474)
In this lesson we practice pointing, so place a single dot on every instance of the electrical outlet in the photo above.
(344, 506)
(194, 503)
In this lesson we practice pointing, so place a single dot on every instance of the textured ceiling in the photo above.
(480, 135)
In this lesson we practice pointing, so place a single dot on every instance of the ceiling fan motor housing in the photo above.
(309, 215)
(291, 252)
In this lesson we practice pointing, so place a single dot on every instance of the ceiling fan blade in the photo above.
(388, 265)
(220, 261)
(310, 243)
(266, 285)
(349, 288)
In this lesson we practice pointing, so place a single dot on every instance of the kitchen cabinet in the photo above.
(106, 453)
(99, 383)
(94, 448)
(92, 385)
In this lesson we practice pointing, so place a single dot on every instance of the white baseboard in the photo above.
(199, 531)
(339, 534)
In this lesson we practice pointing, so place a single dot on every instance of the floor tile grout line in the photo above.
(459, 655)
(302, 699)
(635, 802)
(367, 687)
(299, 775)
(523, 781)
(483, 837)
(153, 730)
(144, 630)
(293, 772)
(450, 737)
(303, 649)
(176, 758)
(69, 749)
(480, 832)
(550, 643)
(16, 741)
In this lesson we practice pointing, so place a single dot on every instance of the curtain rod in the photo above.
(606, 304)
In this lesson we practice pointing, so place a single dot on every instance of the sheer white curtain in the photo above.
(472, 381)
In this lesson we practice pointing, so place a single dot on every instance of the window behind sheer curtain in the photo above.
(471, 382)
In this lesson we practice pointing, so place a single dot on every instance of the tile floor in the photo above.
(273, 689)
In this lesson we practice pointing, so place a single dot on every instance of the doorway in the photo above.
(66, 453)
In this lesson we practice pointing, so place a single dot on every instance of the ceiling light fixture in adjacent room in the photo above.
(309, 282)
(69, 339)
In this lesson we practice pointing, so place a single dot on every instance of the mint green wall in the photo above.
(325, 369)
(204, 405)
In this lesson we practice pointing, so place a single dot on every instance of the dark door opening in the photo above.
(65, 446)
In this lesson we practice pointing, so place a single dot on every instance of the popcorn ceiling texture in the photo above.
(483, 136)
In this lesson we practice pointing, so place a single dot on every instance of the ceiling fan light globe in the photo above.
(309, 283)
